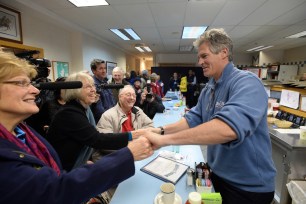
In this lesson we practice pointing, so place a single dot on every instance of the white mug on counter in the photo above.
(303, 132)
(168, 193)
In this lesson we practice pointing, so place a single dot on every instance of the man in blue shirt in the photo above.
(231, 118)
(106, 100)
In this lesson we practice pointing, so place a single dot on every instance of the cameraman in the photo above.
(43, 66)
(151, 103)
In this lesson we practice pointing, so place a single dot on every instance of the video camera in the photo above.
(40, 64)
(149, 94)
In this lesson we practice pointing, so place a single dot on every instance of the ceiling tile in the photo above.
(293, 16)
(234, 12)
(205, 12)
(269, 11)
(131, 12)
(167, 14)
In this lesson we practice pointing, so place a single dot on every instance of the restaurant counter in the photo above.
(289, 156)
(142, 187)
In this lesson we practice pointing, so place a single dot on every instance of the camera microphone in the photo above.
(111, 86)
(59, 85)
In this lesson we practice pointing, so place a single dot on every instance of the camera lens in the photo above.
(149, 96)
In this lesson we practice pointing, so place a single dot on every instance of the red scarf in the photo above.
(127, 125)
(34, 145)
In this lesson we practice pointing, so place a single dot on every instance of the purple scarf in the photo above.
(34, 145)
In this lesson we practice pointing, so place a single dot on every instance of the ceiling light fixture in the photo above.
(147, 49)
(263, 48)
(187, 48)
(139, 49)
(82, 3)
(142, 48)
(193, 32)
(126, 33)
(255, 48)
(298, 35)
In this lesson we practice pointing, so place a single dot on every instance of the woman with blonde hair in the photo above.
(31, 171)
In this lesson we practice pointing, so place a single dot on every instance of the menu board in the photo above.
(290, 99)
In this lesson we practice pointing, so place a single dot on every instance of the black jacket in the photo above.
(70, 131)
(151, 108)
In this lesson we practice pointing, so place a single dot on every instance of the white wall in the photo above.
(76, 51)
(295, 55)
(242, 59)
(53, 39)
(175, 58)
(270, 57)
(93, 48)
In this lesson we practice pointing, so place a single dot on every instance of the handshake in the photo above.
(144, 142)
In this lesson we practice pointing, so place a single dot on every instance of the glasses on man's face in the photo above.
(89, 86)
(22, 83)
(130, 95)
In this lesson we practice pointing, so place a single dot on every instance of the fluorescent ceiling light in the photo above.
(255, 48)
(139, 49)
(84, 3)
(147, 49)
(187, 48)
(193, 32)
(132, 33)
(126, 34)
(263, 48)
(298, 35)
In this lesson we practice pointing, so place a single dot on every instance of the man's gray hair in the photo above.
(217, 39)
(125, 87)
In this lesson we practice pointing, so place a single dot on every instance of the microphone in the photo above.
(110, 86)
(59, 85)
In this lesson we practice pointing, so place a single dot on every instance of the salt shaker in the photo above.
(189, 177)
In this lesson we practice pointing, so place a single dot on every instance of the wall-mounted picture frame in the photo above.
(10, 25)
(60, 69)
(110, 66)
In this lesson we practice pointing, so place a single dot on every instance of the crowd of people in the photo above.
(91, 133)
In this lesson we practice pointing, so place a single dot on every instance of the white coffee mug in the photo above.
(168, 193)
(303, 132)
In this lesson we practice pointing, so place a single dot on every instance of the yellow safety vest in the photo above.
(183, 84)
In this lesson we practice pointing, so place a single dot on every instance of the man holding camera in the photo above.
(151, 103)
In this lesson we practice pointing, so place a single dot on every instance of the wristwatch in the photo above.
(162, 130)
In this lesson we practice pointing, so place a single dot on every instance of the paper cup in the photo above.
(168, 191)
(303, 132)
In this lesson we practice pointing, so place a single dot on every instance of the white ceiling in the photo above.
(159, 23)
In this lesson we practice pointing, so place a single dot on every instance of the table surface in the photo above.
(291, 141)
(142, 188)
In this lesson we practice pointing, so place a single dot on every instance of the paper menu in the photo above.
(290, 99)
(303, 103)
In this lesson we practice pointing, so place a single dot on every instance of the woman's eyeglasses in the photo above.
(22, 83)
(89, 86)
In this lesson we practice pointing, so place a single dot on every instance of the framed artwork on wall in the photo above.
(60, 69)
(110, 66)
(10, 25)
